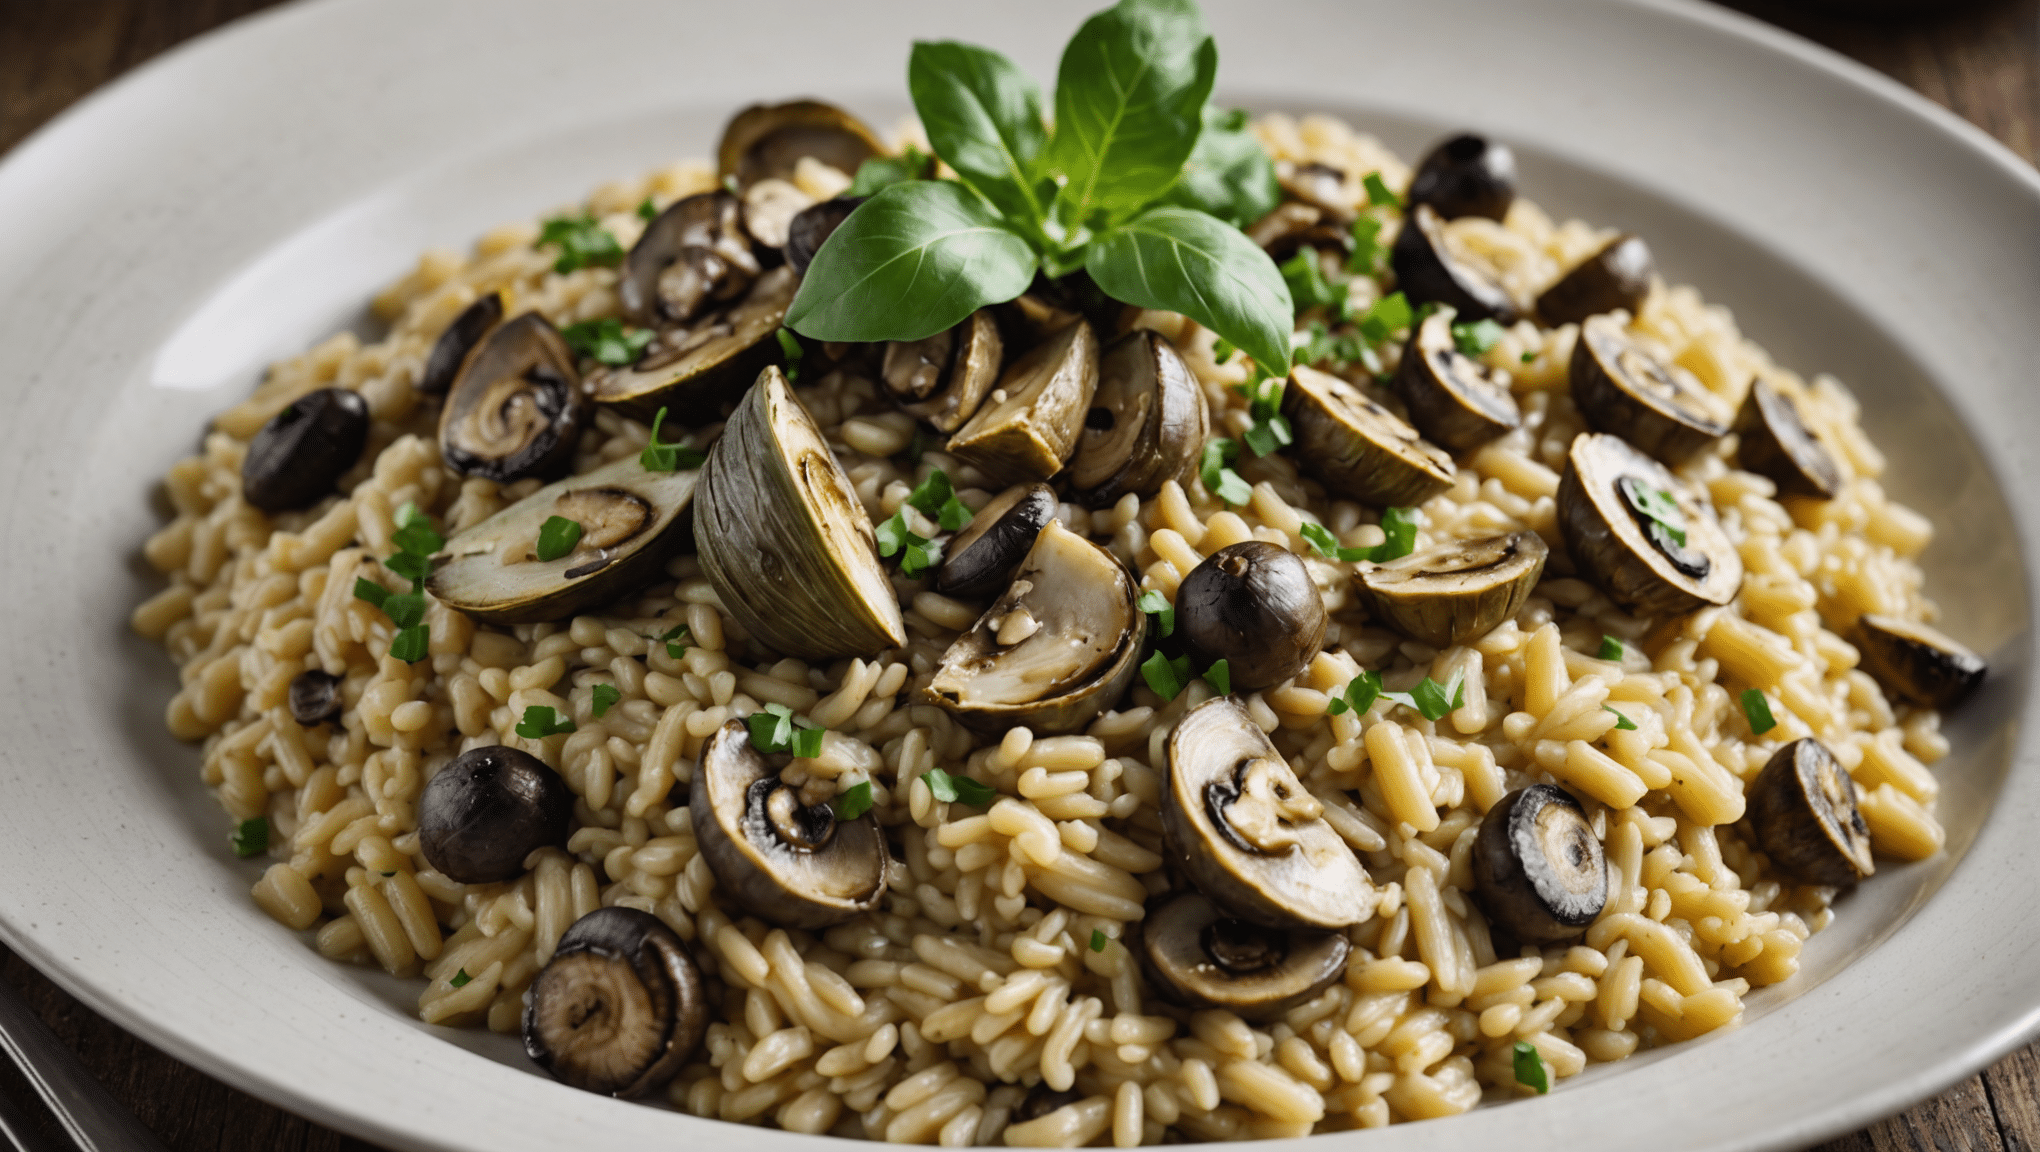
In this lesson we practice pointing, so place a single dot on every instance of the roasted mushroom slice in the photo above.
(813, 227)
(783, 539)
(619, 1008)
(1427, 268)
(315, 697)
(767, 140)
(299, 456)
(1803, 810)
(1294, 226)
(1029, 424)
(1246, 832)
(1918, 663)
(1059, 647)
(1356, 447)
(482, 814)
(1197, 956)
(630, 519)
(1454, 593)
(692, 257)
(1318, 185)
(1649, 541)
(1538, 870)
(693, 367)
(1621, 388)
(982, 558)
(944, 378)
(1617, 276)
(1454, 400)
(516, 409)
(787, 862)
(1146, 425)
(1773, 441)
(451, 350)
(1467, 175)
(1254, 606)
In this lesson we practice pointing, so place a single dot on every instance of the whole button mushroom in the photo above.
(516, 408)
(1803, 808)
(619, 1008)
(482, 814)
(298, 457)
(1538, 869)
(1254, 606)
(1466, 175)
(1197, 956)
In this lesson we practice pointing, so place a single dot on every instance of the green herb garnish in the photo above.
(250, 837)
(1622, 722)
(461, 979)
(1270, 429)
(777, 729)
(1757, 708)
(659, 457)
(369, 590)
(604, 698)
(582, 242)
(853, 801)
(557, 537)
(1386, 317)
(1658, 505)
(1304, 273)
(1219, 676)
(1612, 649)
(1378, 193)
(1222, 351)
(1476, 338)
(1399, 525)
(411, 644)
(1527, 357)
(1366, 257)
(541, 721)
(1157, 605)
(675, 639)
(1167, 677)
(1098, 940)
(416, 540)
(917, 553)
(953, 788)
(938, 501)
(1220, 480)
(790, 345)
(1530, 1070)
(606, 341)
(415, 534)
(1428, 698)
(647, 210)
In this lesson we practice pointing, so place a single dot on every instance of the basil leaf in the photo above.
(1185, 261)
(1129, 105)
(1229, 174)
(881, 172)
(911, 261)
(983, 116)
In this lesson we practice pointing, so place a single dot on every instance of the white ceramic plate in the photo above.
(240, 198)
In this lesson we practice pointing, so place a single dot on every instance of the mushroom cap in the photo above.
(1453, 399)
(1773, 441)
(1607, 541)
(516, 408)
(982, 557)
(1250, 837)
(1917, 662)
(619, 1008)
(1466, 175)
(813, 226)
(1427, 269)
(1358, 448)
(1146, 425)
(1196, 956)
(315, 697)
(1030, 423)
(1255, 606)
(694, 368)
(945, 378)
(1455, 592)
(1538, 869)
(767, 140)
(300, 454)
(487, 810)
(791, 864)
(451, 350)
(1616, 277)
(1803, 809)
(1622, 389)
(704, 236)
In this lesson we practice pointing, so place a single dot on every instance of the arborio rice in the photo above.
(929, 1021)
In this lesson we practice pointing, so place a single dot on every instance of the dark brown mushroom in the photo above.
(1773, 441)
(1197, 956)
(1622, 389)
(1146, 425)
(1427, 269)
(517, 408)
(1640, 534)
(981, 559)
(692, 257)
(946, 377)
(1293, 226)
(770, 140)
(1917, 662)
(1254, 606)
(619, 1008)
(1453, 399)
(297, 458)
(1615, 277)
(315, 697)
(1457, 592)
(693, 368)
(487, 810)
(1803, 810)
(451, 350)
(1538, 871)
(808, 231)
(1466, 175)
(1356, 447)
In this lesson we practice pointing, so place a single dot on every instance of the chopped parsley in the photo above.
(250, 837)
(1428, 697)
(852, 802)
(1366, 257)
(647, 210)
(675, 639)
(1612, 649)
(461, 979)
(1167, 677)
(541, 721)
(1399, 525)
(1757, 708)
(582, 242)
(658, 457)
(1527, 357)
(415, 534)
(416, 540)
(369, 590)
(1222, 351)
(1315, 344)
(938, 501)
(776, 729)
(1378, 193)
(1308, 286)
(605, 698)
(952, 788)
(917, 553)
(1270, 429)
(1220, 480)
(1656, 504)
(1530, 1070)
(557, 537)
(1098, 940)
(1622, 722)
(1386, 317)
(1219, 676)
(1157, 605)
(606, 341)
(411, 644)
(1476, 338)
(790, 344)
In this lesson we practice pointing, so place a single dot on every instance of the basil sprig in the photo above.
(1141, 184)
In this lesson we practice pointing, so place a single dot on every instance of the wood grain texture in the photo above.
(1981, 60)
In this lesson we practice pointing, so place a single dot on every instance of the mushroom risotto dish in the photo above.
(1169, 626)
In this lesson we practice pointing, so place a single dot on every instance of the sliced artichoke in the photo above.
(783, 539)
(1244, 830)
(1773, 441)
(1030, 423)
(1357, 447)
(630, 519)
(694, 256)
(1454, 400)
(516, 409)
(1622, 389)
(770, 140)
(1454, 593)
(1647, 539)
(945, 378)
(1057, 649)
(694, 368)
(1146, 425)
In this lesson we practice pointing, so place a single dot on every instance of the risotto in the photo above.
(1054, 940)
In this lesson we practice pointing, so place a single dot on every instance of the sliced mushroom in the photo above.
(1294, 226)
(1467, 175)
(1246, 832)
(982, 558)
(1427, 268)
(1538, 870)
(1637, 559)
(694, 367)
(1616, 277)
(299, 456)
(1620, 388)
(783, 539)
(945, 378)
(770, 206)
(1803, 810)
(813, 226)
(1059, 647)
(1254, 606)
(619, 1008)
(768, 140)
(1146, 425)
(631, 521)
(451, 350)
(488, 809)
(1356, 447)
(1030, 423)
(1319, 185)
(1454, 400)
(1917, 662)
(516, 409)
(692, 257)
(788, 862)
(315, 697)
(1197, 956)
(1454, 593)
(1773, 441)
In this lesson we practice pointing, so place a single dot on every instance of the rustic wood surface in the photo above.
(1980, 59)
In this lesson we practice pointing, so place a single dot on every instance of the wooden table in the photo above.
(1981, 59)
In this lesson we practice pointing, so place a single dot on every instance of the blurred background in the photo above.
(1978, 58)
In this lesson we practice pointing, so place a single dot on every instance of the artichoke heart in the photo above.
(783, 539)
(630, 521)
(1356, 447)
(1456, 592)
(1030, 423)
(693, 366)
(1057, 649)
